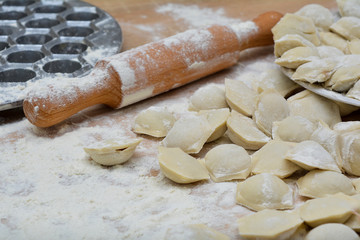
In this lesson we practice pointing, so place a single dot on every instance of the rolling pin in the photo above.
(148, 70)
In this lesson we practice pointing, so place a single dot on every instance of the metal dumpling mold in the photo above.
(41, 38)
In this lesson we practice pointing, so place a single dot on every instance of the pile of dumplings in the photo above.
(322, 48)
(260, 135)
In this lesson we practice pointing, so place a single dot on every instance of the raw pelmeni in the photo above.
(334, 40)
(318, 183)
(113, 151)
(349, 8)
(269, 224)
(240, 97)
(208, 97)
(189, 133)
(332, 231)
(244, 132)
(321, 16)
(335, 208)
(217, 119)
(154, 121)
(180, 167)
(293, 129)
(295, 57)
(348, 27)
(290, 41)
(227, 162)
(264, 191)
(311, 155)
(271, 159)
(270, 107)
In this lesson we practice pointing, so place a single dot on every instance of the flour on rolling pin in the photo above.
(148, 70)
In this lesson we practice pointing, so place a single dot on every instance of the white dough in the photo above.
(321, 16)
(293, 129)
(349, 8)
(290, 41)
(347, 27)
(217, 119)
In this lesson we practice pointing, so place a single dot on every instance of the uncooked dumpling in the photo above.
(321, 16)
(264, 191)
(356, 183)
(329, 52)
(271, 159)
(349, 8)
(354, 46)
(332, 209)
(180, 167)
(344, 78)
(217, 119)
(276, 79)
(354, 220)
(328, 139)
(270, 107)
(112, 151)
(244, 132)
(290, 41)
(293, 129)
(154, 121)
(227, 162)
(348, 27)
(208, 97)
(240, 97)
(318, 183)
(269, 224)
(316, 71)
(311, 155)
(348, 126)
(314, 107)
(350, 151)
(294, 24)
(193, 231)
(354, 92)
(297, 56)
(334, 40)
(189, 133)
(332, 231)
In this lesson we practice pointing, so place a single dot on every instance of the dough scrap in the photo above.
(332, 231)
(112, 151)
(227, 162)
(240, 97)
(269, 224)
(264, 191)
(334, 40)
(208, 97)
(271, 159)
(180, 167)
(332, 209)
(328, 139)
(276, 79)
(154, 121)
(347, 27)
(295, 57)
(270, 107)
(318, 183)
(244, 132)
(189, 133)
(294, 24)
(349, 8)
(314, 108)
(290, 41)
(316, 71)
(293, 129)
(217, 119)
(321, 16)
(194, 231)
(311, 155)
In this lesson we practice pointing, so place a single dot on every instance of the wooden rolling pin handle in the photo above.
(151, 69)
